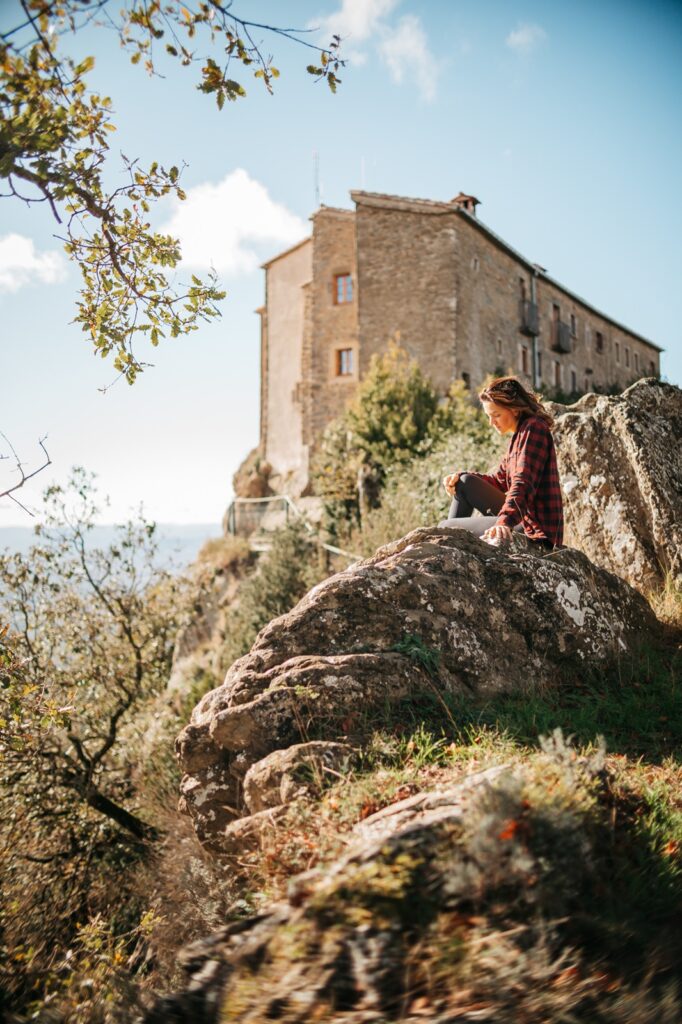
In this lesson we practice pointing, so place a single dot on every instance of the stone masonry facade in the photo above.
(432, 276)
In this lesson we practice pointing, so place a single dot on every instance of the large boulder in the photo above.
(438, 611)
(620, 460)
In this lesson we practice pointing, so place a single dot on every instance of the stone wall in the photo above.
(434, 276)
(594, 368)
(406, 282)
(330, 326)
(488, 293)
(282, 443)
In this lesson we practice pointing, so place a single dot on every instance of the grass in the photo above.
(666, 602)
(636, 706)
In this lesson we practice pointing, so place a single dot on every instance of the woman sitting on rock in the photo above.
(523, 494)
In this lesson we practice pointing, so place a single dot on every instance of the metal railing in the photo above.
(246, 517)
(528, 313)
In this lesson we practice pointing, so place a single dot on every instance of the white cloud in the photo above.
(356, 20)
(20, 264)
(405, 51)
(402, 47)
(525, 38)
(219, 225)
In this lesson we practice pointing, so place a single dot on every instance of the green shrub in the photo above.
(395, 418)
(283, 575)
(414, 495)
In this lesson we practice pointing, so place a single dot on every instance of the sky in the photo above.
(562, 118)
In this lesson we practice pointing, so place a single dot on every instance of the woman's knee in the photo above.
(463, 481)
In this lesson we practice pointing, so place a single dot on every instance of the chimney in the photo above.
(468, 203)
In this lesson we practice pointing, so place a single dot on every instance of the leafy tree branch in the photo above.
(55, 148)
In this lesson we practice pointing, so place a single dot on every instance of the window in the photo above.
(344, 362)
(627, 356)
(574, 381)
(475, 264)
(522, 286)
(586, 383)
(344, 289)
(574, 326)
(539, 359)
(637, 361)
(557, 374)
(524, 359)
(599, 341)
(617, 351)
(499, 346)
(466, 377)
(652, 369)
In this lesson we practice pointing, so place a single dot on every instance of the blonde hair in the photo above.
(512, 394)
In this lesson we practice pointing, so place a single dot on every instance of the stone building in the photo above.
(459, 299)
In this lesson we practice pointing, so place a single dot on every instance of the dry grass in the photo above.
(666, 602)
(225, 553)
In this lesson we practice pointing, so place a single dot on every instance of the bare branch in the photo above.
(9, 493)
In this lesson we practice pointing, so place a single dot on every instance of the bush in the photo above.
(396, 417)
(283, 575)
(93, 639)
(413, 495)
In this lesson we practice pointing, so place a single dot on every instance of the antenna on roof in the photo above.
(316, 177)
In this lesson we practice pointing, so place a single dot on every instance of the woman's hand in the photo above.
(497, 534)
(450, 482)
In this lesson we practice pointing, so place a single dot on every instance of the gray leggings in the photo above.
(473, 493)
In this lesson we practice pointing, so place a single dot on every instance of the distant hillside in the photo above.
(179, 543)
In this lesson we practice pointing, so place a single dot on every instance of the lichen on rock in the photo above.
(620, 461)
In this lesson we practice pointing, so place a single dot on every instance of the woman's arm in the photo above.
(531, 456)
(498, 478)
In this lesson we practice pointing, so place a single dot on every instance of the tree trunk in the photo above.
(140, 829)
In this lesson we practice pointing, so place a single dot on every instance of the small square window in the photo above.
(343, 291)
(599, 341)
(344, 362)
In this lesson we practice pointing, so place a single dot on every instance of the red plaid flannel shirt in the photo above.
(529, 477)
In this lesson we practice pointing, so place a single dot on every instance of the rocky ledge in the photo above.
(620, 461)
(438, 611)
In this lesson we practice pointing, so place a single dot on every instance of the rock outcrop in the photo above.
(479, 900)
(620, 460)
(285, 774)
(438, 611)
(387, 861)
(252, 476)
